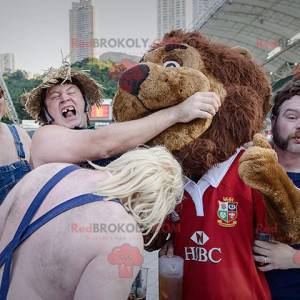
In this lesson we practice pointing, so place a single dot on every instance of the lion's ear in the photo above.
(243, 51)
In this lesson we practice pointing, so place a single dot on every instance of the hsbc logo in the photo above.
(200, 238)
(202, 254)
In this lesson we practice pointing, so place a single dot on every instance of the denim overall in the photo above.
(27, 227)
(11, 174)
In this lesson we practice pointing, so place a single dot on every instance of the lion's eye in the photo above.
(171, 64)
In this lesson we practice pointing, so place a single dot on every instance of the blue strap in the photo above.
(59, 209)
(34, 206)
(17, 141)
(6, 278)
(7, 253)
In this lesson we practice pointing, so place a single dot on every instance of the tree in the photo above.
(17, 84)
(100, 71)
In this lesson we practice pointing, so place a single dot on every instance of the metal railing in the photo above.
(11, 108)
(212, 7)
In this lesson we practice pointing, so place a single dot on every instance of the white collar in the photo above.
(212, 177)
(215, 175)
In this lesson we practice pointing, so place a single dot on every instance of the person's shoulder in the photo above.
(53, 167)
(22, 132)
(25, 139)
(110, 223)
(113, 211)
(48, 128)
(47, 131)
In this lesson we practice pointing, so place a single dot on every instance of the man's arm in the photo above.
(276, 255)
(101, 281)
(59, 144)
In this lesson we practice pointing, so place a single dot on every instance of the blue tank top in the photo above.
(285, 284)
(11, 174)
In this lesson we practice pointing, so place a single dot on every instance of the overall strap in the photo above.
(17, 140)
(7, 253)
(59, 209)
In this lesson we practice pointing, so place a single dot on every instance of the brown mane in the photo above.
(243, 110)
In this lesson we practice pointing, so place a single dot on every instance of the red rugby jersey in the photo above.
(215, 237)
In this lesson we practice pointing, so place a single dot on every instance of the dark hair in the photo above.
(287, 92)
(1, 92)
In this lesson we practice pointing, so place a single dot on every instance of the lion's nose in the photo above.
(132, 78)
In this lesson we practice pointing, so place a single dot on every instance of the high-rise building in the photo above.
(7, 62)
(171, 15)
(81, 30)
(203, 10)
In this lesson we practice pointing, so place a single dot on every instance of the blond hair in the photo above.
(149, 182)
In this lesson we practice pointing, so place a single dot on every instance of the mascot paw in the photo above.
(258, 165)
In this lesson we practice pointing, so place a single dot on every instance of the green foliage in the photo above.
(99, 71)
(6, 120)
(17, 84)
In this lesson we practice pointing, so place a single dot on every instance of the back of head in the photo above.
(148, 181)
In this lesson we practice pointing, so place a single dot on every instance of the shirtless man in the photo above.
(64, 259)
(14, 154)
(61, 104)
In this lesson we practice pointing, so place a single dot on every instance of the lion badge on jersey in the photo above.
(227, 212)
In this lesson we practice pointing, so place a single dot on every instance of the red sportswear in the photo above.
(215, 236)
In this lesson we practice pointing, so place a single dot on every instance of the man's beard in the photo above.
(281, 142)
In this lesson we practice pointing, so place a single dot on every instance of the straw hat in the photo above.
(65, 74)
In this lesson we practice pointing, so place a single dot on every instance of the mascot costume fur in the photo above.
(231, 194)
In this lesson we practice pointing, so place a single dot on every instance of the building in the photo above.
(200, 7)
(171, 14)
(7, 62)
(204, 9)
(271, 33)
(81, 30)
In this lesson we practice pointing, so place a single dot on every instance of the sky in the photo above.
(36, 30)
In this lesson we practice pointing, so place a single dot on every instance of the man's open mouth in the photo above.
(68, 112)
(297, 140)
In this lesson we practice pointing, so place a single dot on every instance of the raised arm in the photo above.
(58, 144)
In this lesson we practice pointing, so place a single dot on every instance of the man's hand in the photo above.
(202, 105)
(167, 249)
(275, 255)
